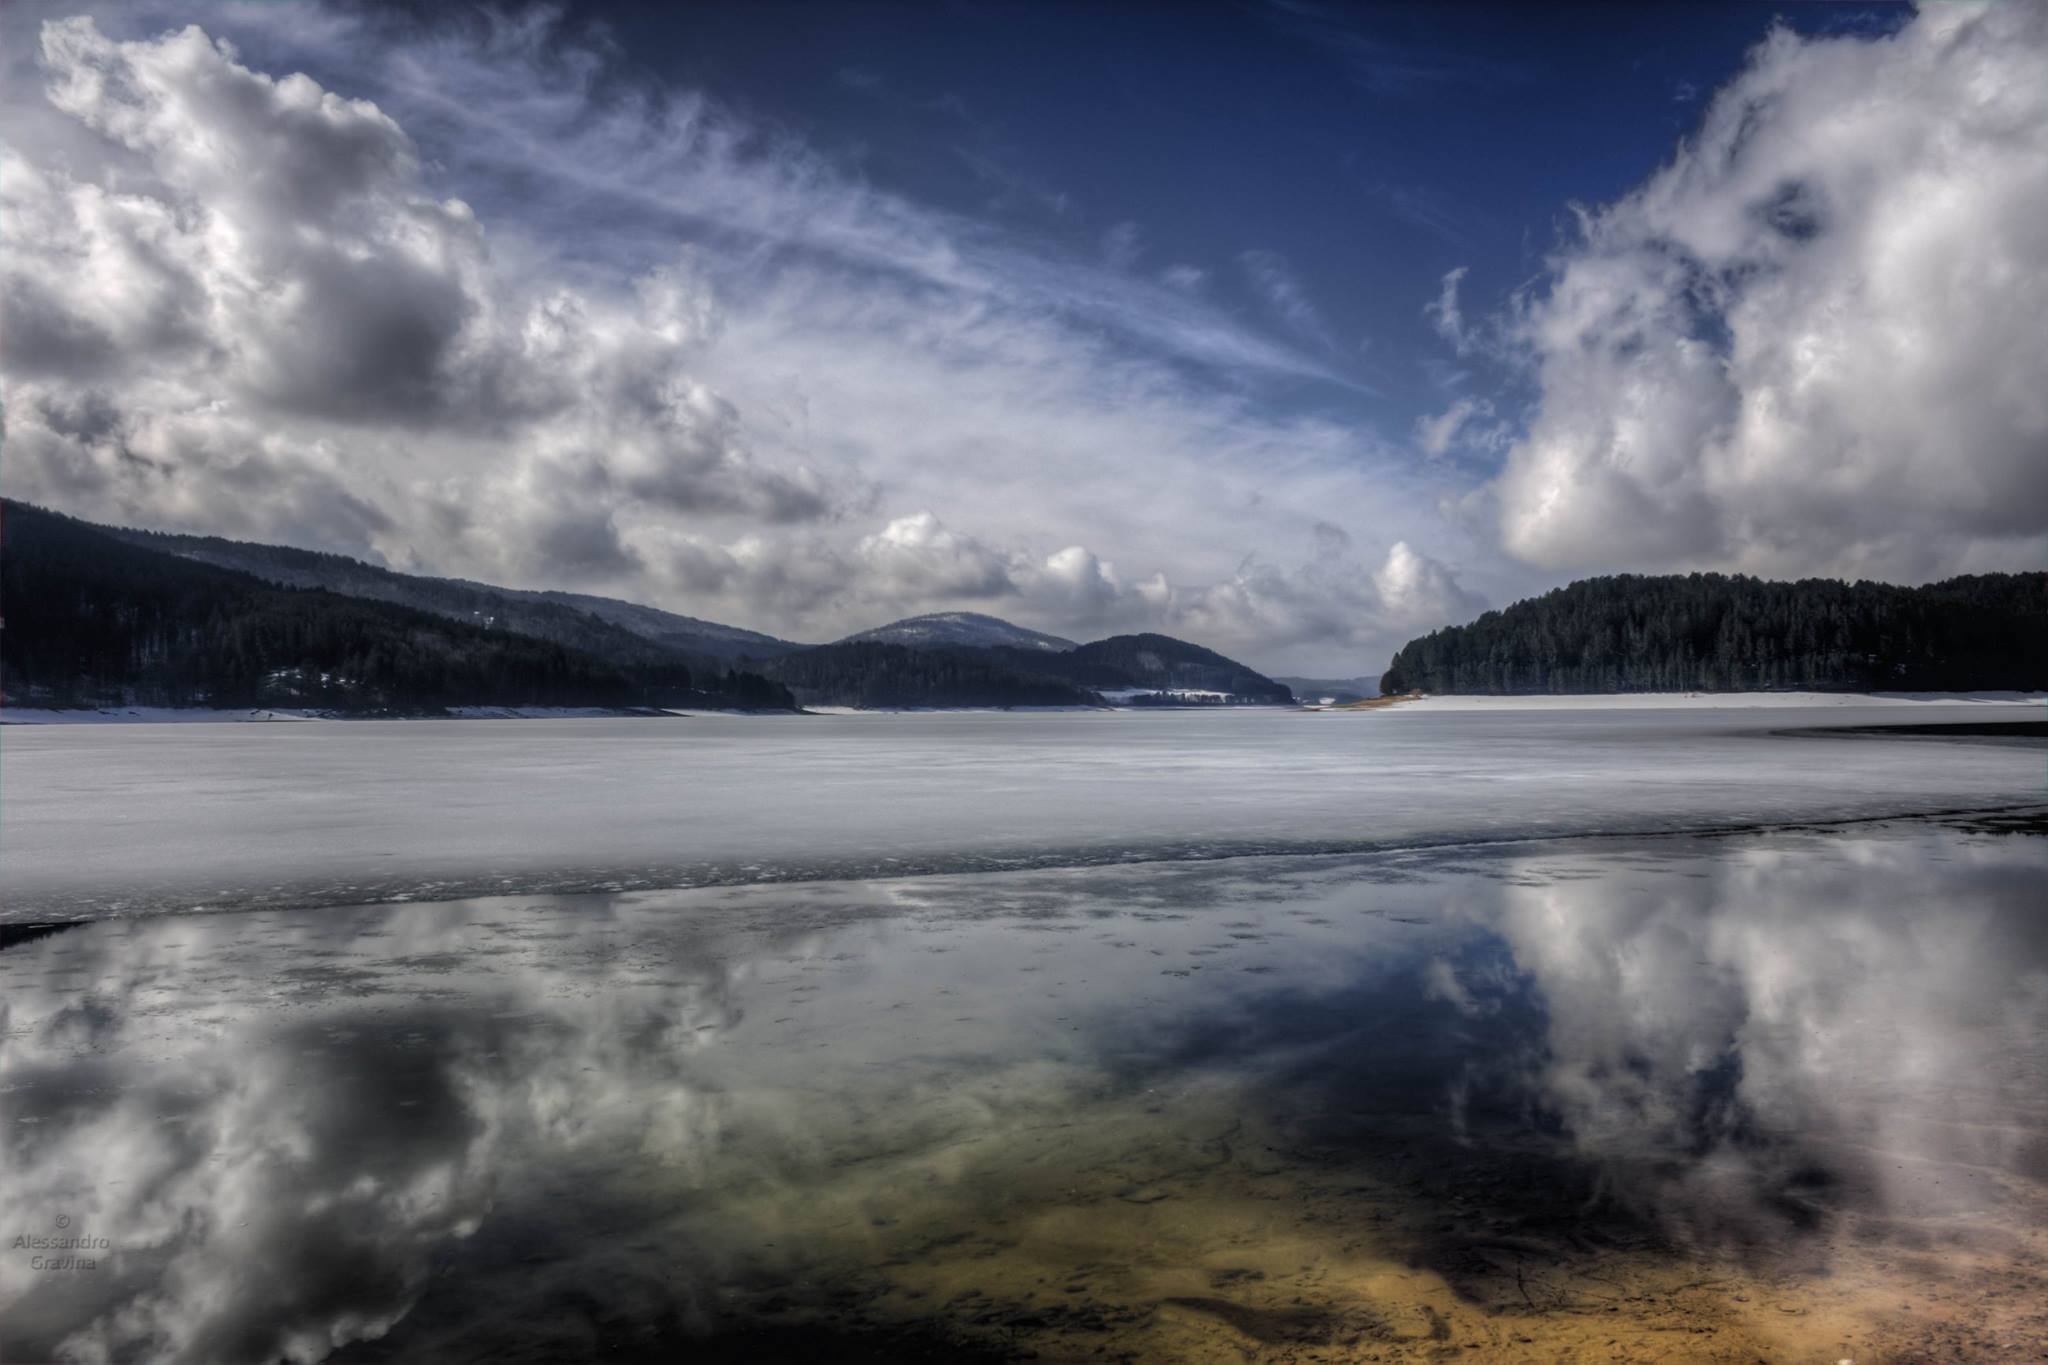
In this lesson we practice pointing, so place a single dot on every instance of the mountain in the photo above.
(667, 628)
(963, 629)
(623, 633)
(872, 673)
(1717, 633)
(1151, 663)
(1133, 669)
(108, 616)
(96, 618)
(1142, 668)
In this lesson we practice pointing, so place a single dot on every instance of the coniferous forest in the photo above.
(100, 616)
(92, 619)
(872, 673)
(868, 673)
(1721, 633)
(1154, 661)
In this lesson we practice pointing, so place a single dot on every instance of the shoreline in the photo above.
(1683, 701)
(1410, 702)
(970, 865)
(285, 715)
(113, 822)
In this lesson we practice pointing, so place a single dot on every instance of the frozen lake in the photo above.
(131, 819)
(1775, 1096)
(1611, 1032)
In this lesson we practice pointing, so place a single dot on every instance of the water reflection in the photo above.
(1781, 1093)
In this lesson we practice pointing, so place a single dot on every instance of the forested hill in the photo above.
(1155, 662)
(94, 619)
(1719, 633)
(967, 629)
(622, 633)
(875, 674)
(104, 616)
(1141, 669)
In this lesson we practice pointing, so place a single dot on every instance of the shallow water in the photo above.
(1770, 1095)
(136, 819)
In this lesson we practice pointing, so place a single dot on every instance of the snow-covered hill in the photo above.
(968, 628)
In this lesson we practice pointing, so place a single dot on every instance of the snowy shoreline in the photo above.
(1619, 701)
(1702, 701)
(202, 715)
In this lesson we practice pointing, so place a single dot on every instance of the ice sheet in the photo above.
(106, 820)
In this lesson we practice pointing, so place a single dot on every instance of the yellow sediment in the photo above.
(1179, 1228)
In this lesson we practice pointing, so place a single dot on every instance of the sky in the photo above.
(1294, 329)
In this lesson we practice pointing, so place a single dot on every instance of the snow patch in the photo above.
(134, 715)
(1717, 701)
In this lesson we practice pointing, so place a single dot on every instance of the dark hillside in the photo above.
(1717, 633)
(1152, 661)
(94, 619)
(871, 674)
(622, 633)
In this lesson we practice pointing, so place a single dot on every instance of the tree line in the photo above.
(1710, 632)
(870, 673)
(91, 619)
(1153, 661)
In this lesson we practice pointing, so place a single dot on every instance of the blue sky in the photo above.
(1294, 329)
(1372, 148)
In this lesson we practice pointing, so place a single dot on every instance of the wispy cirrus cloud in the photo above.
(1379, 55)
(468, 301)
(1283, 293)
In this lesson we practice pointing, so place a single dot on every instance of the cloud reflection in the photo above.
(299, 1132)
(1787, 1030)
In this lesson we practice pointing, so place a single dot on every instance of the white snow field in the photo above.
(1727, 701)
(99, 820)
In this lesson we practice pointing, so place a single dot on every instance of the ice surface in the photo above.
(148, 715)
(131, 819)
(1779, 1095)
(1727, 701)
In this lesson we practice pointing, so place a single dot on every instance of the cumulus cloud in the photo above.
(1328, 599)
(1778, 992)
(1084, 584)
(1810, 343)
(920, 559)
(262, 307)
(472, 303)
(1331, 597)
(1415, 590)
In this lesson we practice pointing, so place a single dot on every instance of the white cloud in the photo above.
(1330, 597)
(1816, 977)
(518, 322)
(1415, 590)
(1080, 582)
(264, 306)
(916, 558)
(1460, 422)
(1285, 296)
(1444, 314)
(1811, 343)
